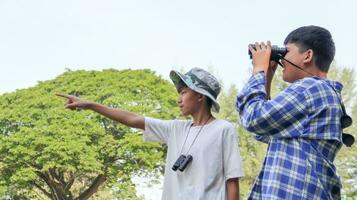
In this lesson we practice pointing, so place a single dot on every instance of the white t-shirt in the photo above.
(215, 153)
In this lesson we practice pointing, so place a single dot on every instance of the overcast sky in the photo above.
(40, 38)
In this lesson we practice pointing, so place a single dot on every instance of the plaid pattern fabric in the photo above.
(303, 131)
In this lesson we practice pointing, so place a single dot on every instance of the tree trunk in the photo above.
(99, 180)
(60, 189)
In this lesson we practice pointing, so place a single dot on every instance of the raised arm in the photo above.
(261, 62)
(124, 117)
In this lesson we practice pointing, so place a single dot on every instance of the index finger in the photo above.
(251, 48)
(63, 95)
(269, 44)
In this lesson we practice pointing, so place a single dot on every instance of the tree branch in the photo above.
(56, 176)
(70, 182)
(44, 191)
(47, 180)
(99, 180)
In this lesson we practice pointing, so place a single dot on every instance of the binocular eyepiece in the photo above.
(276, 52)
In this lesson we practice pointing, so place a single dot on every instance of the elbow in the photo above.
(248, 123)
(254, 126)
(250, 127)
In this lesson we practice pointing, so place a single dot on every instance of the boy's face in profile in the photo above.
(187, 100)
(291, 73)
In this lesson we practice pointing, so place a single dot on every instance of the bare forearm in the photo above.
(121, 116)
(233, 189)
(268, 88)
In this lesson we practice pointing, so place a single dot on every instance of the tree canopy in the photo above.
(46, 150)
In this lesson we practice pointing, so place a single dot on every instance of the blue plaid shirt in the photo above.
(303, 131)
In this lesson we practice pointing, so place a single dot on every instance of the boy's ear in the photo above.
(308, 56)
(201, 97)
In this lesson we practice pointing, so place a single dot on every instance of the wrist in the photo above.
(260, 66)
(257, 70)
(91, 105)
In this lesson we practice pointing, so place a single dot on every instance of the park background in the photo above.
(98, 49)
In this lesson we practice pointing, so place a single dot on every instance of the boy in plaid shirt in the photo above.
(301, 124)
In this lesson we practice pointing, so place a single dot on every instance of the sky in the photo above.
(39, 39)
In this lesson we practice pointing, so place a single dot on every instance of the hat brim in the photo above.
(176, 77)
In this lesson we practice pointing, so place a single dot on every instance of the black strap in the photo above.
(346, 120)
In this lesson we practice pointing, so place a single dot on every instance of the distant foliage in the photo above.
(49, 151)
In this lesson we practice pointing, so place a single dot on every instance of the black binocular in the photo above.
(182, 162)
(276, 52)
(346, 121)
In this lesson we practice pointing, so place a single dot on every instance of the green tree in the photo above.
(47, 149)
(350, 163)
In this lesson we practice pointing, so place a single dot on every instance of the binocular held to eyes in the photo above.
(182, 162)
(277, 52)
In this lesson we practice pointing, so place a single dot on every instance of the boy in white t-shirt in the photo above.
(203, 159)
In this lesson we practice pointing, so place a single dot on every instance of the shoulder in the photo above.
(180, 122)
(225, 125)
(303, 84)
(316, 87)
(313, 83)
(172, 122)
(318, 91)
(308, 86)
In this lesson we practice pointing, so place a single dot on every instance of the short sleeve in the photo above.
(233, 167)
(157, 130)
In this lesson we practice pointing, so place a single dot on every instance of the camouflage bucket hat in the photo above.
(199, 81)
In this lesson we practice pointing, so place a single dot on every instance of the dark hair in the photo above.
(209, 103)
(180, 85)
(316, 38)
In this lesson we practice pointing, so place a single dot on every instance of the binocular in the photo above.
(276, 52)
(182, 162)
(346, 121)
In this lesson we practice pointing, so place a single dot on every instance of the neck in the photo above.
(321, 74)
(202, 117)
(309, 70)
(316, 72)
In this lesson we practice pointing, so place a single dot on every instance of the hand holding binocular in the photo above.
(277, 52)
